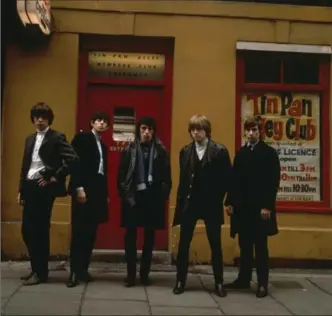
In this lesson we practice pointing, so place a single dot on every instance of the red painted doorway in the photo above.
(109, 80)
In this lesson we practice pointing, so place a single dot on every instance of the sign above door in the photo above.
(126, 65)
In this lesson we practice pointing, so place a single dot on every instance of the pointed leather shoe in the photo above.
(220, 290)
(261, 292)
(73, 280)
(179, 288)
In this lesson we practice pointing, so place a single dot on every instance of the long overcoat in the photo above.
(254, 186)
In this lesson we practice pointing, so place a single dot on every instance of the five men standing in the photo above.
(144, 185)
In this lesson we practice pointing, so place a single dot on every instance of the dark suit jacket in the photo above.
(254, 186)
(57, 155)
(217, 167)
(85, 173)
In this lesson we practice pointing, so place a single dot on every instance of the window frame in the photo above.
(323, 87)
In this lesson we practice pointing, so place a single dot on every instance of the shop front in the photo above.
(135, 58)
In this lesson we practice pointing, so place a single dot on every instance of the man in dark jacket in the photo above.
(251, 203)
(89, 190)
(144, 184)
(205, 169)
(47, 161)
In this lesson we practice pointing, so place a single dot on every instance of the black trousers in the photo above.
(84, 227)
(131, 252)
(36, 222)
(247, 241)
(213, 231)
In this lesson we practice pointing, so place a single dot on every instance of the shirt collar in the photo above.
(96, 134)
(252, 145)
(203, 144)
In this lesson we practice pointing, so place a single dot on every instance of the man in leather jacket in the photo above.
(144, 185)
(205, 169)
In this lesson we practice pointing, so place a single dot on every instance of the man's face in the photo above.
(198, 134)
(252, 134)
(40, 123)
(146, 133)
(99, 125)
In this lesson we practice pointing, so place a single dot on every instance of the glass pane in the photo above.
(124, 124)
(301, 69)
(262, 67)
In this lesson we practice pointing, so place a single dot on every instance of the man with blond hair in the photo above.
(205, 169)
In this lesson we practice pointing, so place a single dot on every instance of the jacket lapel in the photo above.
(46, 138)
(209, 154)
(30, 146)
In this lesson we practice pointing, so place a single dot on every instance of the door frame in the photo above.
(128, 44)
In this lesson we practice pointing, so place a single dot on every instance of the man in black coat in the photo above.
(89, 190)
(205, 169)
(251, 202)
(47, 161)
(144, 185)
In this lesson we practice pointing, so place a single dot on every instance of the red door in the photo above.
(124, 104)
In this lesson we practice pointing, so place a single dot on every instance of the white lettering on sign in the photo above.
(35, 12)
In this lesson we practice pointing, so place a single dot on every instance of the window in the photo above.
(290, 92)
(124, 124)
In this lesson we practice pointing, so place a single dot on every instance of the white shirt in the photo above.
(36, 163)
(201, 148)
(101, 162)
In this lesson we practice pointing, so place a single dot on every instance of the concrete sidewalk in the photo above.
(290, 294)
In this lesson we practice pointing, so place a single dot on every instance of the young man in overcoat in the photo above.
(89, 190)
(144, 185)
(251, 203)
(205, 169)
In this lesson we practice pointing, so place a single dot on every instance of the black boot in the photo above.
(220, 290)
(262, 291)
(73, 280)
(145, 280)
(179, 287)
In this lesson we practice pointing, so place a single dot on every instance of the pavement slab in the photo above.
(303, 298)
(322, 283)
(114, 307)
(43, 304)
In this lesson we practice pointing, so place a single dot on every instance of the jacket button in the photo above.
(192, 175)
(190, 186)
(188, 196)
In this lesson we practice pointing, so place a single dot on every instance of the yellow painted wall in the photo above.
(204, 81)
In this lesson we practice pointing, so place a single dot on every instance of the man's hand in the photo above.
(229, 210)
(19, 200)
(81, 196)
(265, 213)
(42, 182)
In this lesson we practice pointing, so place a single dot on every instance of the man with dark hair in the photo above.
(47, 161)
(144, 184)
(89, 190)
(251, 203)
(205, 169)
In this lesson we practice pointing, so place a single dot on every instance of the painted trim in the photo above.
(289, 48)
